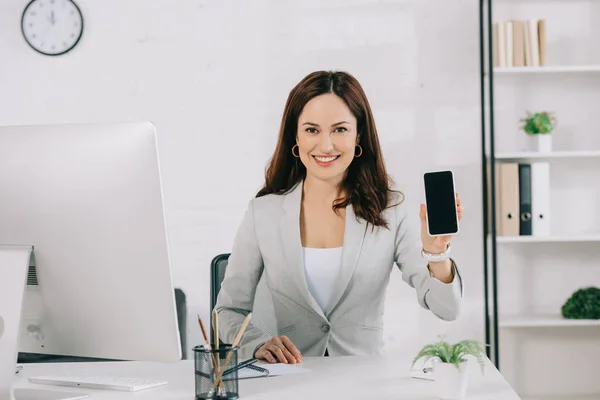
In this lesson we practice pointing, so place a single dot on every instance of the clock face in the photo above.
(52, 27)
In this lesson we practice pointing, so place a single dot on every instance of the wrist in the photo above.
(436, 255)
(435, 248)
(442, 270)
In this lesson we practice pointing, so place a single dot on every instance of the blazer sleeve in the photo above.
(236, 295)
(443, 299)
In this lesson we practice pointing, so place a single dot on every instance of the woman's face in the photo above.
(326, 137)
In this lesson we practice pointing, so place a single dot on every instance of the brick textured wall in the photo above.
(214, 77)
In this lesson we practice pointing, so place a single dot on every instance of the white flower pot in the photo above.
(451, 381)
(543, 142)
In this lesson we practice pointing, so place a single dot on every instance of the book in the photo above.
(508, 199)
(495, 48)
(525, 223)
(540, 198)
(501, 45)
(542, 40)
(508, 31)
(519, 43)
(534, 47)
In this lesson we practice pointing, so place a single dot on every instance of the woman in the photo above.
(326, 229)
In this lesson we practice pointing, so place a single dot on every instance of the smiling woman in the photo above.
(326, 229)
(328, 124)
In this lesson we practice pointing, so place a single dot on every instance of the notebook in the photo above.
(257, 371)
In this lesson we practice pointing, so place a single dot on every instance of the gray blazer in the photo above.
(268, 241)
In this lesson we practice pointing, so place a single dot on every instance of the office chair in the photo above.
(181, 306)
(263, 313)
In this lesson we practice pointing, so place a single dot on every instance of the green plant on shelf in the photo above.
(538, 123)
(454, 354)
(584, 303)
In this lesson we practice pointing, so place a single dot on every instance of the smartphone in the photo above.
(440, 202)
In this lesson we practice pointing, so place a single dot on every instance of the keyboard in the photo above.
(119, 383)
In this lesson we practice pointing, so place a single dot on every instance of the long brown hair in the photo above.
(367, 185)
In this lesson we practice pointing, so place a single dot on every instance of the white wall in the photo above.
(214, 77)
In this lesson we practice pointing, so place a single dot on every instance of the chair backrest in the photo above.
(181, 305)
(263, 312)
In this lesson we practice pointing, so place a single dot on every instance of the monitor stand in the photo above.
(14, 266)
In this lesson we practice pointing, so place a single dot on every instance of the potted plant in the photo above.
(450, 365)
(540, 125)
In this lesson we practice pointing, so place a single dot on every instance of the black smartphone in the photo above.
(440, 202)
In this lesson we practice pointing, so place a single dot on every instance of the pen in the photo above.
(240, 366)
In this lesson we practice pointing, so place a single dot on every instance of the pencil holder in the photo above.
(209, 365)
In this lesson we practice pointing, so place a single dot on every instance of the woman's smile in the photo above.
(326, 161)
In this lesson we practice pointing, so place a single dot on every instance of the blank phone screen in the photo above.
(441, 203)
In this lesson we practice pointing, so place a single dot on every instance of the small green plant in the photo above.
(538, 123)
(583, 304)
(453, 353)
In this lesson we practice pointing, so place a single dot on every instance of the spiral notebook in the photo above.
(257, 371)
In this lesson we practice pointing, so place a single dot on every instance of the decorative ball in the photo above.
(583, 304)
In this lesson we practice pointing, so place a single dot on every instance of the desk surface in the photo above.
(385, 377)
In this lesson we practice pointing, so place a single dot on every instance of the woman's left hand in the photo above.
(436, 244)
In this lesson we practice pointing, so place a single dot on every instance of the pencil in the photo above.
(207, 343)
(235, 343)
(203, 331)
(215, 317)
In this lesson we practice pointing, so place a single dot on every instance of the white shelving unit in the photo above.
(538, 273)
(547, 239)
(544, 321)
(550, 156)
(554, 69)
(591, 397)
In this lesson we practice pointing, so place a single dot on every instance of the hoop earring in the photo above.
(294, 154)
(359, 148)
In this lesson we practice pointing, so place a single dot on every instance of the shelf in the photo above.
(547, 239)
(562, 397)
(543, 321)
(551, 69)
(540, 156)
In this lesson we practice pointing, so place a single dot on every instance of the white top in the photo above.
(328, 379)
(322, 267)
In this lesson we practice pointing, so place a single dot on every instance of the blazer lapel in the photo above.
(289, 227)
(354, 235)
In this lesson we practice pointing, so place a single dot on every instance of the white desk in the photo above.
(362, 378)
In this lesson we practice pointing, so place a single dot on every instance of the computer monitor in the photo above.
(88, 198)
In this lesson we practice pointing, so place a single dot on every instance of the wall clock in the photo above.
(52, 27)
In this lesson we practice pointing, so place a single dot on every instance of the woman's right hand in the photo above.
(279, 349)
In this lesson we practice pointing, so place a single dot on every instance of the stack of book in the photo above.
(519, 43)
(522, 199)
